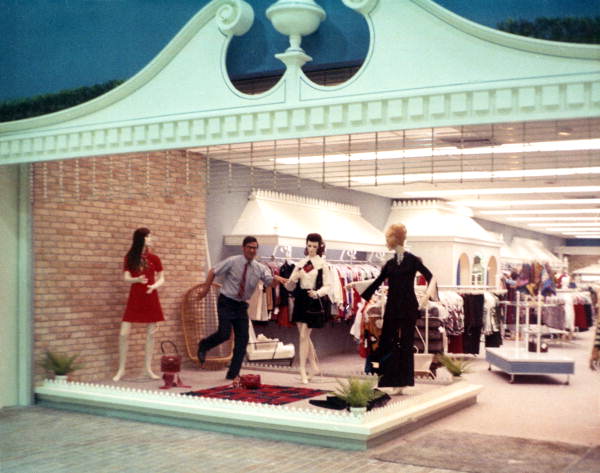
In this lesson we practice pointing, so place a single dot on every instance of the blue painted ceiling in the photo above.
(47, 46)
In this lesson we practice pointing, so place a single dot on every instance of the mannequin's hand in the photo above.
(142, 279)
(151, 288)
(313, 294)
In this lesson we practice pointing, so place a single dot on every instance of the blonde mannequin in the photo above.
(143, 270)
(394, 357)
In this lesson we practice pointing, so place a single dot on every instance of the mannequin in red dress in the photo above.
(143, 270)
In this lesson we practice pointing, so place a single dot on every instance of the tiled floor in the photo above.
(39, 440)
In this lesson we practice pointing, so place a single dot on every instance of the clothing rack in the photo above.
(472, 287)
(528, 304)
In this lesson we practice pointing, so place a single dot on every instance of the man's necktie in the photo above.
(243, 282)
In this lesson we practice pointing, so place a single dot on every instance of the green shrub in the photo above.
(60, 364)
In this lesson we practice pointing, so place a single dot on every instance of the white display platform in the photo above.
(517, 360)
(327, 428)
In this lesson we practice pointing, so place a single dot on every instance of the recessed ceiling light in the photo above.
(540, 211)
(506, 203)
(503, 191)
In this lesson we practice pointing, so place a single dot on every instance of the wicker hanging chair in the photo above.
(199, 319)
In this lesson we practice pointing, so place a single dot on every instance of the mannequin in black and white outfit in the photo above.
(309, 272)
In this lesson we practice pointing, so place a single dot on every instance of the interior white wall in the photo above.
(9, 230)
(509, 232)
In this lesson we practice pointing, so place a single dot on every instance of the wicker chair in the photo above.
(199, 320)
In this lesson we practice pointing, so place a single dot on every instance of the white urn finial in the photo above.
(295, 18)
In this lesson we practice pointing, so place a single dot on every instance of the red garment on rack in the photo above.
(580, 318)
(455, 344)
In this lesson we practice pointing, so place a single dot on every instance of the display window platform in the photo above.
(295, 420)
(516, 360)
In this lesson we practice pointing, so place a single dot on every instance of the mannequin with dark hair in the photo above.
(143, 270)
(309, 280)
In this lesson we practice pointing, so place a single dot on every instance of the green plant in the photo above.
(60, 364)
(357, 392)
(455, 366)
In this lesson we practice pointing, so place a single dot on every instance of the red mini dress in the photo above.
(143, 307)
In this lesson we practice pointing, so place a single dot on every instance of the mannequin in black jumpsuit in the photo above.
(395, 353)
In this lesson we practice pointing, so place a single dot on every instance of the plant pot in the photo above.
(61, 378)
(358, 411)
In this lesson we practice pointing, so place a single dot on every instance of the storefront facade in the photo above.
(425, 68)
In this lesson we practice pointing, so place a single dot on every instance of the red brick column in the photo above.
(84, 214)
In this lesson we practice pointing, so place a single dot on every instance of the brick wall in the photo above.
(84, 214)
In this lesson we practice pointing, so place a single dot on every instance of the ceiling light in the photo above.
(503, 191)
(472, 175)
(564, 224)
(564, 131)
(505, 203)
(551, 219)
(573, 230)
(540, 211)
(507, 148)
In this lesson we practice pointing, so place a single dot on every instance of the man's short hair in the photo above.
(249, 239)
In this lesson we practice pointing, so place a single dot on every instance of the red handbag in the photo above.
(170, 363)
(250, 381)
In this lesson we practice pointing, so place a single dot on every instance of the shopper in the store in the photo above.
(143, 270)
(394, 358)
(239, 276)
(595, 356)
(310, 282)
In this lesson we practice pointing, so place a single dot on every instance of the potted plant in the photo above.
(60, 364)
(357, 393)
(455, 366)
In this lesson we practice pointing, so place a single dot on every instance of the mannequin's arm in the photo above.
(160, 280)
(127, 277)
(430, 293)
(360, 286)
(290, 285)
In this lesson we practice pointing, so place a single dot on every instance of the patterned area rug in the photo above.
(266, 394)
(478, 453)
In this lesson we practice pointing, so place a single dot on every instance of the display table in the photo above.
(514, 361)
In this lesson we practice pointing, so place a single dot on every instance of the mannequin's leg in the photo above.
(150, 331)
(303, 350)
(123, 343)
(312, 355)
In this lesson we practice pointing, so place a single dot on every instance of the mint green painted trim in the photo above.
(9, 185)
(24, 305)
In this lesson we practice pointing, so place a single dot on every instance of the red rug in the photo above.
(266, 394)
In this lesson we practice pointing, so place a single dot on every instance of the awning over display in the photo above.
(438, 220)
(528, 250)
(284, 219)
(589, 273)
